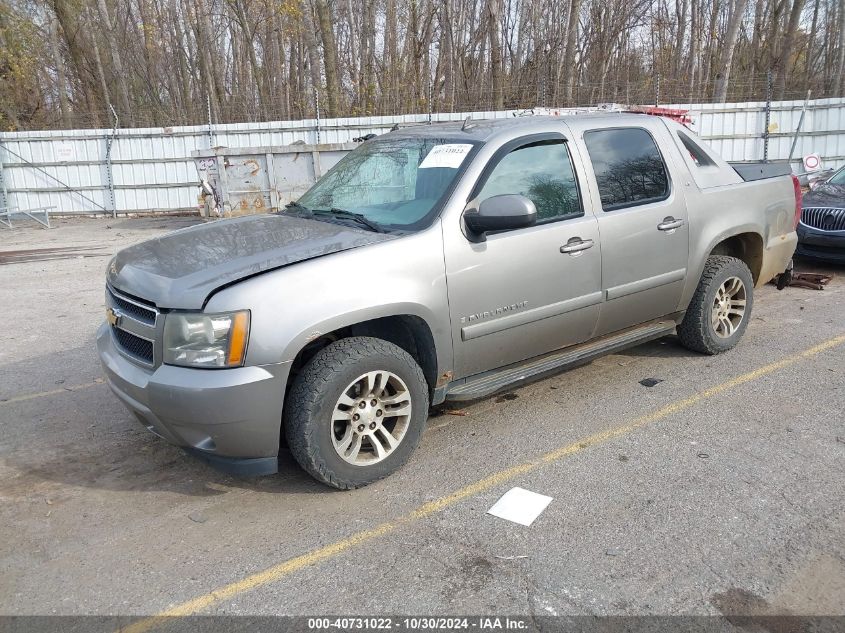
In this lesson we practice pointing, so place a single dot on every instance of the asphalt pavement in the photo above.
(719, 489)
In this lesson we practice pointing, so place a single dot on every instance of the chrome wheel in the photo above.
(728, 307)
(371, 417)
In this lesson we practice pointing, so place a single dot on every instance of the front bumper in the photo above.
(825, 245)
(230, 417)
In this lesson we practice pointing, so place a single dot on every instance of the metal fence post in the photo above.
(210, 127)
(317, 109)
(430, 92)
(109, 176)
(768, 115)
(657, 90)
(5, 209)
(4, 194)
(543, 90)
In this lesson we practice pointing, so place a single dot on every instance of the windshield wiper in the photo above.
(295, 206)
(343, 214)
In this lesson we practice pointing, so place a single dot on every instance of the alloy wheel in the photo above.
(371, 417)
(728, 307)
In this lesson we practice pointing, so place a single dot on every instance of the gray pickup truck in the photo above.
(436, 263)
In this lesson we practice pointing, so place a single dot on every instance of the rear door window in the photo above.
(628, 166)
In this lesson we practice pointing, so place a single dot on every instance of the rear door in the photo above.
(643, 225)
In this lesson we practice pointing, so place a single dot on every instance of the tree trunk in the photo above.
(61, 74)
(183, 79)
(569, 52)
(494, 32)
(104, 85)
(249, 44)
(774, 30)
(693, 47)
(756, 39)
(711, 39)
(785, 58)
(87, 82)
(681, 8)
(726, 58)
(310, 39)
(212, 88)
(840, 59)
(324, 15)
(148, 28)
(811, 41)
(390, 52)
(365, 86)
(446, 66)
(117, 63)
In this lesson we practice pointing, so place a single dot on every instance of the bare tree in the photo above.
(784, 64)
(159, 62)
(840, 47)
(117, 63)
(494, 30)
(61, 73)
(329, 55)
(569, 50)
(726, 54)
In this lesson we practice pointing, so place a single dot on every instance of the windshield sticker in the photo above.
(450, 155)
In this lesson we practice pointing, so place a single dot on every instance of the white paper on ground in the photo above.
(448, 155)
(520, 506)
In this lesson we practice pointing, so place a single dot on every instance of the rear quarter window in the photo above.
(695, 152)
(628, 166)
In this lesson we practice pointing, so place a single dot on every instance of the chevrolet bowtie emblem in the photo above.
(112, 317)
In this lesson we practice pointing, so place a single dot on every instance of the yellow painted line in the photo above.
(52, 392)
(432, 507)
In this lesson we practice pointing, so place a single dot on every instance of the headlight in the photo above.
(206, 340)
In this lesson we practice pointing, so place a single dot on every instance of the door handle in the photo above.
(576, 245)
(670, 224)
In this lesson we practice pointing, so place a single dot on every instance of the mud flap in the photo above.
(785, 278)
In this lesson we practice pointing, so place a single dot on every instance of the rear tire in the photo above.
(356, 412)
(720, 309)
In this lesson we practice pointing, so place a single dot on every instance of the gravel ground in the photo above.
(733, 501)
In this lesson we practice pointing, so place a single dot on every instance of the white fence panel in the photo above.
(735, 130)
(152, 168)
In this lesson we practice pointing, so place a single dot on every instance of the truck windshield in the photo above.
(396, 183)
(838, 178)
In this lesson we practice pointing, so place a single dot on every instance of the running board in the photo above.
(489, 382)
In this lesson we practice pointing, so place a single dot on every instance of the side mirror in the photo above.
(501, 213)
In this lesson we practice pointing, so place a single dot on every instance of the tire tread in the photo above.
(312, 385)
(694, 330)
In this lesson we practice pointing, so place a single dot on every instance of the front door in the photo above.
(643, 227)
(528, 291)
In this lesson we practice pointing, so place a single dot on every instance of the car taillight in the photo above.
(797, 186)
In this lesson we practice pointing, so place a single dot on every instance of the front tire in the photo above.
(356, 412)
(720, 309)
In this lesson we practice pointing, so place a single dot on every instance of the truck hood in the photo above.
(182, 269)
(825, 195)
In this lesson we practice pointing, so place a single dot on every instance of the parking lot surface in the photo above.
(720, 489)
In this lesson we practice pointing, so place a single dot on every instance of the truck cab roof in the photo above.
(484, 130)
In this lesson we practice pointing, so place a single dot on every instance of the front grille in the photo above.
(133, 308)
(133, 345)
(135, 326)
(824, 218)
